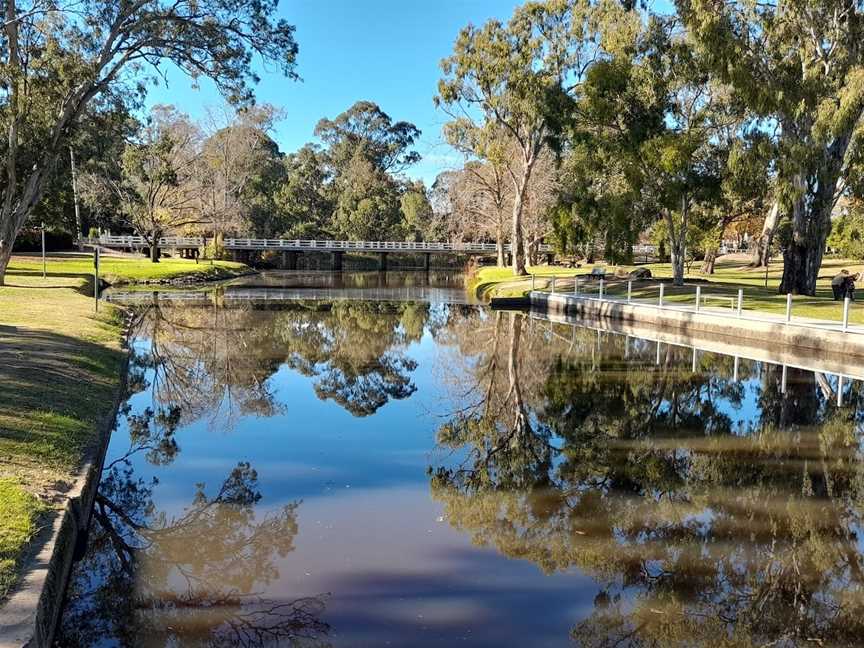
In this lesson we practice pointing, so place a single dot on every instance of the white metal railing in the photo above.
(303, 244)
(140, 241)
(405, 246)
(582, 290)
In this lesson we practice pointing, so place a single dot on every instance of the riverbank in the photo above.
(123, 271)
(61, 370)
(718, 289)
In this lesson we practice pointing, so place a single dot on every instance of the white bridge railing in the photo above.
(303, 244)
(140, 241)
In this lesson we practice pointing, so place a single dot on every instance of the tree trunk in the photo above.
(677, 242)
(155, 252)
(79, 228)
(7, 239)
(709, 261)
(762, 247)
(811, 224)
(499, 245)
(516, 240)
(533, 246)
(811, 215)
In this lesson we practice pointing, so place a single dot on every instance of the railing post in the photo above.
(698, 297)
(662, 290)
(839, 390)
(553, 285)
(532, 282)
(740, 301)
(575, 285)
(788, 307)
(601, 290)
(629, 291)
(846, 303)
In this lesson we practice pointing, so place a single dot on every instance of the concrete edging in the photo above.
(31, 615)
(773, 334)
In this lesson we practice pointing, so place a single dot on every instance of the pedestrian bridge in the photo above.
(303, 245)
(289, 250)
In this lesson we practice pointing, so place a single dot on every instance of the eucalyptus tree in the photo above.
(418, 220)
(367, 129)
(62, 55)
(799, 65)
(304, 201)
(364, 153)
(520, 78)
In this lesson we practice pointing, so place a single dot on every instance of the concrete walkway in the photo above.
(763, 330)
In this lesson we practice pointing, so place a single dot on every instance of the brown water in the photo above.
(405, 473)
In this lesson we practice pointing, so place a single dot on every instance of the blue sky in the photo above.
(386, 51)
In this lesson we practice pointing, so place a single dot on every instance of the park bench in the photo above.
(597, 273)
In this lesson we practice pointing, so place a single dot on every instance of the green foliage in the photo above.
(367, 207)
(364, 129)
(59, 67)
(797, 65)
(417, 217)
(304, 201)
(847, 235)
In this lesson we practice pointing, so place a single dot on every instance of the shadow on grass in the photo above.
(56, 393)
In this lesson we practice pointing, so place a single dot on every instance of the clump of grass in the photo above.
(19, 515)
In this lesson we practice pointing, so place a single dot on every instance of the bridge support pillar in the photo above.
(234, 255)
(382, 261)
(427, 261)
(337, 261)
(550, 258)
(289, 260)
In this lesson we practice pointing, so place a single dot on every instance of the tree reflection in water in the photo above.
(698, 530)
(217, 362)
(158, 579)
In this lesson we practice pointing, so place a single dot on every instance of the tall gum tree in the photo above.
(799, 64)
(521, 77)
(59, 56)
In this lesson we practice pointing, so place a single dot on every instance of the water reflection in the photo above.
(216, 362)
(606, 491)
(153, 578)
(698, 529)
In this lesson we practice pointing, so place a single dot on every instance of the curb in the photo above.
(31, 615)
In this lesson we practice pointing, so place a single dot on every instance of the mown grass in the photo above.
(720, 288)
(121, 270)
(19, 514)
(60, 365)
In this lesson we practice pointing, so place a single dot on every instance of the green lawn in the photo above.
(119, 270)
(731, 274)
(19, 512)
(59, 370)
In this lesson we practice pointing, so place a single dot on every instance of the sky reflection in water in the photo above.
(358, 473)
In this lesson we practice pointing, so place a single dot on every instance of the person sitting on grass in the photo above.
(838, 284)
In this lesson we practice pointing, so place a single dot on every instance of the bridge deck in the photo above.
(302, 245)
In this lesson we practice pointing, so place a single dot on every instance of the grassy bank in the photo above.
(60, 367)
(719, 289)
(21, 511)
(123, 270)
